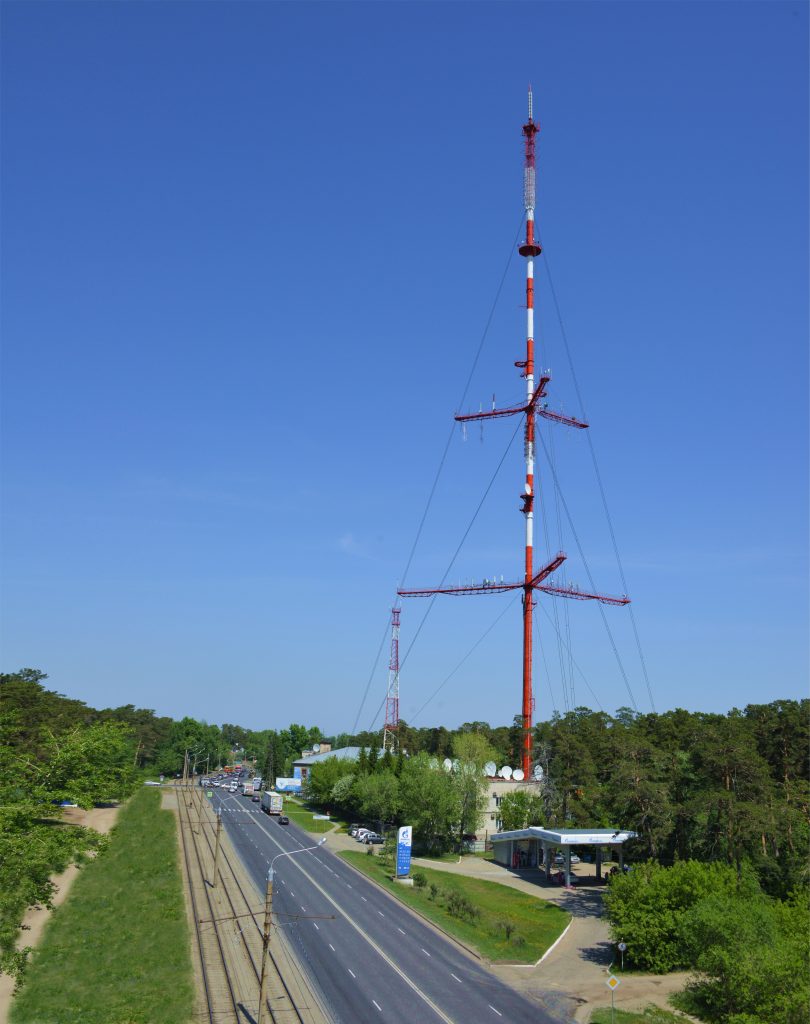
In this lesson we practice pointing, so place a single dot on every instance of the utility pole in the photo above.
(216, 848)
(533, 407)
(268, 910)
(268, 918)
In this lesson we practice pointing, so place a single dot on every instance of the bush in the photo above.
(752, 957)
(419, 879)
(647, 908)
(462, 907)
(434, 890)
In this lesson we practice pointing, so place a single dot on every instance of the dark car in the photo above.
(284, 820)
(256, 798)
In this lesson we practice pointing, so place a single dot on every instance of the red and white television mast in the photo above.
(391, 727)
(535, 391)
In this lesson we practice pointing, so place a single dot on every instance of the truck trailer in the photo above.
(247, 789)
(272, 803)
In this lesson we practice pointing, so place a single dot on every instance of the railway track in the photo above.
(228, 924)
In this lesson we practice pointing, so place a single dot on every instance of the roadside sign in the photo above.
(622, 947)
(613, 983)
(404, 839)
(210, 793)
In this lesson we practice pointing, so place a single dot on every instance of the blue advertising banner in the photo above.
(404, 850)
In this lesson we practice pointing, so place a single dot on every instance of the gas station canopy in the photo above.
(521, 847)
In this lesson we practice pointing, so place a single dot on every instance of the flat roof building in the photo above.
(531, 847)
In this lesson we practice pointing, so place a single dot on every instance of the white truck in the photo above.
(272, 803)
(247, 789)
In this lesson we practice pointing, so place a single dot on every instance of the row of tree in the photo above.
(442, 807)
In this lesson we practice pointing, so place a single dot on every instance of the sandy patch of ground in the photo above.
(36, 918)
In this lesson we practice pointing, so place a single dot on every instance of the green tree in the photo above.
(428, 802)
(752, 956)
(520, 809)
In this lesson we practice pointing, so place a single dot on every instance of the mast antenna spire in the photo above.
(531, 408)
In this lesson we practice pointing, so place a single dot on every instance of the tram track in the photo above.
(228, 928)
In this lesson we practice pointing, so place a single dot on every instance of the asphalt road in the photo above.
(369, 958)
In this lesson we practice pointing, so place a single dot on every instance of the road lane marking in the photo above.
(459, 980)
(316, 925)
(400, 930)
(494, 1010)
(351, 972)
(377, 1005)
(363, 898)
(332, 948)
(366, 938)
(424, 951)
(381, 913)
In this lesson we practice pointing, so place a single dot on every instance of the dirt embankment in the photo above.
(36, 918)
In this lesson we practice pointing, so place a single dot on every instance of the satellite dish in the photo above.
(434, 763)
(506, 772)
(518, 775)
(316, 747)
(448, 764)
(537, 772)
(490, 768)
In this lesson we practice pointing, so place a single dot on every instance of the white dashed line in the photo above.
(377, 1005)
(459, 980)
(332, 947)
(381, 913)
(351, 972)
(316, 926)
(494, 1010)
(400, 930)
(363, 898)
(424, 951)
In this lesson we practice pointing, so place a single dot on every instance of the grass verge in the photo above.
(117, 951)
(504, 926)
(650, 1015)
(303, 817)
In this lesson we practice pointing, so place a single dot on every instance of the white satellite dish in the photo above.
(537, 772)
(447, 763)
(518, 775)
(490, 768)
(434, 763)
(316, 747)
(506, 772)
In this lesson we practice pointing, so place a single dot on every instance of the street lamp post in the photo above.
(268, 914)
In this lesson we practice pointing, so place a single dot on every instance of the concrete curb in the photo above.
(555, 943)
(411, 910)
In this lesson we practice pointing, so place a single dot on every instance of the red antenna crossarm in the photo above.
(530, 409)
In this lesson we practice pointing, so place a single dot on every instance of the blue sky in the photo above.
(249, 252)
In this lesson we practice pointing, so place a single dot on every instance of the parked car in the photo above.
(360, 833)
(372, 839)
(353, 829)
(559, 858)
(284, 820)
